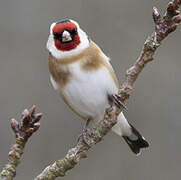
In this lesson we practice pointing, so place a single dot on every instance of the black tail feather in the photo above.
(136, 141)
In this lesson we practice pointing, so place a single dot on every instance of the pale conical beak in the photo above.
(66, 37)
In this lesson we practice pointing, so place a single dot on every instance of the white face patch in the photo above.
(84, 43)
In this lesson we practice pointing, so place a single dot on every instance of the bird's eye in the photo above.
(57, 36)
(74, 31)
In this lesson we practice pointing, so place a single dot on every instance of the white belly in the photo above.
(87, 92)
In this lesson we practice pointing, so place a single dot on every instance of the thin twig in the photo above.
(23, 130)
(163, 27)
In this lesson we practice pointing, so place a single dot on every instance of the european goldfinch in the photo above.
(84, 78)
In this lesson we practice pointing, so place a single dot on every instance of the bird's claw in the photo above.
(86, 134)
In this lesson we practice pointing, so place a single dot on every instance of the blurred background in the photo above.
(120, 28)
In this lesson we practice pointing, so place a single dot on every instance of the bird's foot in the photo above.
(86, 134)
(85, 137)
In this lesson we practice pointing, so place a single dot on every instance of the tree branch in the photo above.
(30, 121)
(163, 27)
(23, 131)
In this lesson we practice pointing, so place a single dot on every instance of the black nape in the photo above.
(62, 21)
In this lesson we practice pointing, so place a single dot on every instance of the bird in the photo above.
(84, 78)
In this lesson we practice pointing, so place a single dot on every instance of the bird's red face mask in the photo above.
(65, 34)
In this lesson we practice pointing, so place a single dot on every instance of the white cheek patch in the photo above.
(54, 84)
